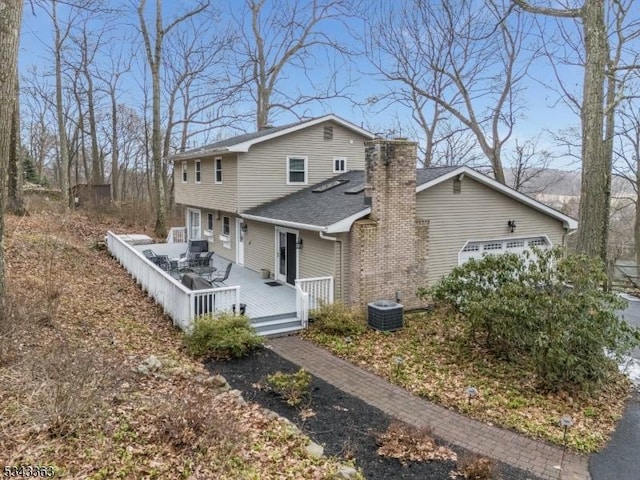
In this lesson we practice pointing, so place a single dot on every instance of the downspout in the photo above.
(339, 242)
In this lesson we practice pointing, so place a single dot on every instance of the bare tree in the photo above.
(10, 20)
(282, 35)
(153, 44)
(460, 58)
(599, 92)
(627, 161)
(15, 202)
(529, 168)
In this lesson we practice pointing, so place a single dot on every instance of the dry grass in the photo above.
(75, 330)
(437, 365)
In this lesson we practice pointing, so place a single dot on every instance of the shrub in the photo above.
(293, 387)
(339, 319)
(475, 467)
(546, 310)
(222, 336)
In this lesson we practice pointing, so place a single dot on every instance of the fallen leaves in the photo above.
(72, 394)
(408, 443)
(438, 366)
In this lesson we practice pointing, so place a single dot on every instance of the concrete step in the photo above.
(281, 332)
(276, 326)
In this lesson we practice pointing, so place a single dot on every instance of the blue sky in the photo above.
(543, 111)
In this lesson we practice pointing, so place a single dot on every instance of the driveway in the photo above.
(620, 460)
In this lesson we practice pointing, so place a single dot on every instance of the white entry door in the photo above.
(240, 233)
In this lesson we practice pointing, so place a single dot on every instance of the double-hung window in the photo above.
(218, 169)
(210, 222)
(184, 172)
(226, 229)
(296, 170)
(339, 164)
(198, 171)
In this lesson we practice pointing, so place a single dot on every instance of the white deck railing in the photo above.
(302, 306)
(180, 303)
(177, 235)
(311, 293)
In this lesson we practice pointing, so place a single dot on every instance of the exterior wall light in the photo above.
(299, 243)
(512, 225)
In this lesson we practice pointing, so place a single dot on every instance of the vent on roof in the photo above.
(355, 189)
(328, 132)
(328, 186)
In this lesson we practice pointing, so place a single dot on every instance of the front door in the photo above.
(287, 256)
(240, 233)
(194, 224)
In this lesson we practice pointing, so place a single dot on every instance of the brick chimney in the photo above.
(389, 249)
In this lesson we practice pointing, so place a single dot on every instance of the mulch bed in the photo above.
(343, 424)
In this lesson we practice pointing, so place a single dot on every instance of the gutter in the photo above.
(284, 223)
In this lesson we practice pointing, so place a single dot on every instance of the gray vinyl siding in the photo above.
(215, 243)
(477, 213)
(259, 246)
(262, 172)
(208, 194)
(317, 257)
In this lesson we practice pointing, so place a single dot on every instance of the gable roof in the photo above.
(242, 143)
(568, 222)
(333, 205)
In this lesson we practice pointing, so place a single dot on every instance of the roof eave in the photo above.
(199, 154)
(345, 224)
(340, 226)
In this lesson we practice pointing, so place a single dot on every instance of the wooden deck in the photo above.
(261, 300)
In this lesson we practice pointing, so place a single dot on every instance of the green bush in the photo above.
(293, 387)
(546, 310)
(221, 336)
(339, 319)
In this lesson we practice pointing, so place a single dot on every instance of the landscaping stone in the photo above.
(346, 473)
(314, 450)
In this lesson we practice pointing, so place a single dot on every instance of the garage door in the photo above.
(475, 249)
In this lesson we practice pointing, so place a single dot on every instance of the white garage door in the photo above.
(475, 249)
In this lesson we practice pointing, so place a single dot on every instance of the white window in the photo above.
(296, 170)
(538, 242)
(210, 223)
(197, 171)
(471, 247)
(493, 246)
(339, 164)
(184, 172)
(225, 226)
(515, 244)
(218, 170)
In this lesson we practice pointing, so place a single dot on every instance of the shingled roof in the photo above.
(242, 143)
(327, 205)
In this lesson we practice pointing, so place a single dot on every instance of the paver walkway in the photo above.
(539, 458)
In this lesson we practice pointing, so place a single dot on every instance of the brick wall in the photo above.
(388, 251)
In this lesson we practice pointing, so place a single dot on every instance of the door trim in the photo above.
(240, 237)
(276, 269)
(189, 226)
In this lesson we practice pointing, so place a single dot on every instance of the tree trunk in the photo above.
(596, 166)
(10, 18)
(16, 177)
(63, 148)
(115, 149)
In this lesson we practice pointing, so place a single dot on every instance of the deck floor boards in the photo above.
(262, 300)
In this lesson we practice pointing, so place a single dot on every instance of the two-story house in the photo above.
(324, 197)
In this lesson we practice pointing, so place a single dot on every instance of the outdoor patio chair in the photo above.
(219, 280)
(195, 248)
(149, 253)
(201, 260)
(162, 261)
